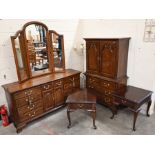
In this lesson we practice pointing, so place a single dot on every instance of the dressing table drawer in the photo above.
(31, 114)
(47, 86)
(27, 93)
(28, 108)
(27, 100)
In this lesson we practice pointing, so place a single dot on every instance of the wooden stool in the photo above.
(82, 99)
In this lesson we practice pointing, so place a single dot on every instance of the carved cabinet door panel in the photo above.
(108, 58)
(92, 54)
(48, 97)
(58, 96)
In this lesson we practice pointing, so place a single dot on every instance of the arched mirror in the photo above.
(37, 48)
(37, 51)
(57, 45)
(20, 56)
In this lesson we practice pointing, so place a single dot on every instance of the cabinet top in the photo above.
(16, 86)
(107, 38)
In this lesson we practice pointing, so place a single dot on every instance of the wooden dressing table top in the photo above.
(16, 86)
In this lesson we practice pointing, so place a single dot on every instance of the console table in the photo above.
(133, 98)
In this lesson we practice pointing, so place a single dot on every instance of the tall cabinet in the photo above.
(106, 67)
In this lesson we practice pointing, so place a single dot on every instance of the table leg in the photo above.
(114, 111)
(148, 108)
(135, 118)
(94, 117)
(68, 116)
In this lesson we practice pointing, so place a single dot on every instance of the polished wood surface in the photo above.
(134, 94)
(133, 98)
(34, 98)
(106, 67)
(16, 86)
(82, 96)
(82, 99)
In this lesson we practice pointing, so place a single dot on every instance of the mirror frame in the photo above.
(24, 51)
(50, 56)
(63, 51)
(13, 38)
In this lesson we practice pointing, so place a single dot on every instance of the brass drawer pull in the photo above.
(107, 100)
(28, 92)
(31, 108)
(33, 114)
(46, 86)
(107, 92)
(123, 101)
(80, 105)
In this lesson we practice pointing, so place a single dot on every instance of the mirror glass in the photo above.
(57, 41)
(37, 49)
(20, 58)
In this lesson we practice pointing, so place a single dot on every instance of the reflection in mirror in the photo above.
(37, 48)
(57, 51)
(20, 59)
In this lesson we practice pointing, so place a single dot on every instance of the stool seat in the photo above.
(82, 99)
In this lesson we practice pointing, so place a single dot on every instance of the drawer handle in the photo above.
(107, 92)
(31, 108)
(80, 105)
(107, 100)
(28, 92)
(123, 101)
(27, 100)
(46, 87)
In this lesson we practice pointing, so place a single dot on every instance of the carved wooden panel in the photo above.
(92, 56)
(48, 97)
(108, 58)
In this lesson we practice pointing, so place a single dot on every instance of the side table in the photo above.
(82, 99)
(133, 98)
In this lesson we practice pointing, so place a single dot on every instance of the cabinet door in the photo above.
(48, 97)
(92, 54)
(58, 96)
(108, 58)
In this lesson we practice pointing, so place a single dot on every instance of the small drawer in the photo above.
(68, 80)
(31, 114)
(107, 100)
(125, 102)
(108, 85)
(81, 106)
(28, 108)
(58, 83)
(27, 100)
(68, 86)
(27, 92)
(107, 92)
(47, 86)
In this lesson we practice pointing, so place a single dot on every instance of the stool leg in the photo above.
(68, 116)
(148, 108)
(94, 117)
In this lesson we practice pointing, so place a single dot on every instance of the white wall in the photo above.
(141, 59)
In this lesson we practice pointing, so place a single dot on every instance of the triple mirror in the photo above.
(37, 51)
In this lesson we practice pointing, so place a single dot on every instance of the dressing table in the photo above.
(43, 82)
